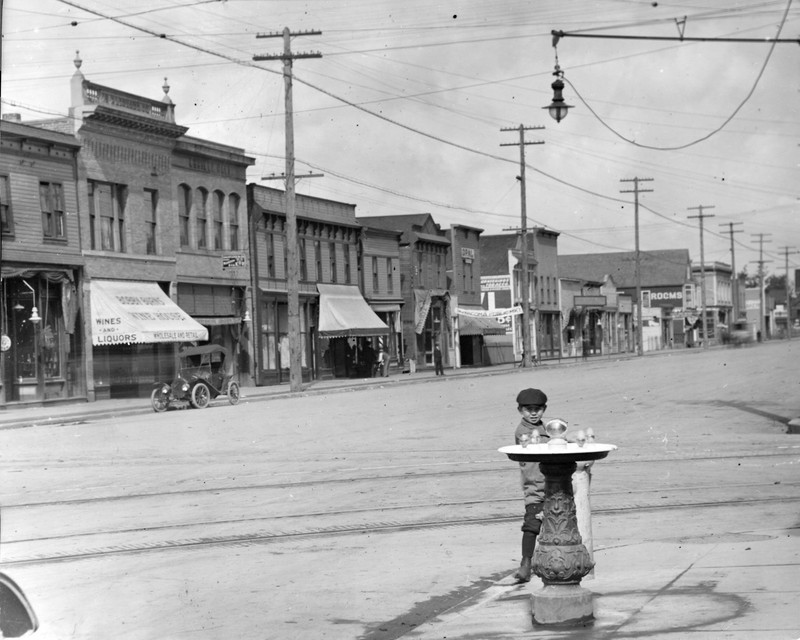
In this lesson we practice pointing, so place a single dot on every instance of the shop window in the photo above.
(107, 216)
(201, 218)
(51, 199)
(6, 217)
(150, 220)
(184, 208)
(233, 222)
(218, 202)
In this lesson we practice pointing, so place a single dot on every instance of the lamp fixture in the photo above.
(35, 319)
(558, 109)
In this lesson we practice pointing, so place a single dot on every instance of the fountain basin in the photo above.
(569, 452)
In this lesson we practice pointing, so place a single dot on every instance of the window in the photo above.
(184, 207)
(219, 201)
(464, 274)
(201, 217)
(233, 222)
(270, 242)
(301, 249)
(6, 219)
(51, 199)
(375, 282)
(318, 259)
(389, 278)
(150, 220)
(332, 258)
(107, 216)
(347, 276)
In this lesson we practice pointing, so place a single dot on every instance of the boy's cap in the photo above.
(528, 397)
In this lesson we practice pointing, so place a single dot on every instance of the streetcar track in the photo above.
(372, 478)
(380, 527)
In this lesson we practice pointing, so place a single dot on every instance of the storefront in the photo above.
(221, 310)
(41, 350)
(272, 341)
(350, 334)
(473, 326)
(432, 326)
(135, 327)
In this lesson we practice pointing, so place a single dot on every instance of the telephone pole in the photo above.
(524, 280)
(787, 251)
(735, 283)
(701, 217)
(761, 262)
(638, 268)
(292, 280)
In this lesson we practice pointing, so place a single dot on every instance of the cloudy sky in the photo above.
(404, 110)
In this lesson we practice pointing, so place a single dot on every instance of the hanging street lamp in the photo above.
(558, 109)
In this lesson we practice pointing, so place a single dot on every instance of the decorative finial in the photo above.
(165, 87)
(77, 61)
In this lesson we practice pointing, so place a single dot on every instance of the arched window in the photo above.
(218, 203)
(233, 221)
(184, 207)
(201, 217)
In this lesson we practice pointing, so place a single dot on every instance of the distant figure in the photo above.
(369, 360)
(437, 360)
(585, 347)
(382, 364)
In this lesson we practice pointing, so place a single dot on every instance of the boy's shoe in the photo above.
(523, 574)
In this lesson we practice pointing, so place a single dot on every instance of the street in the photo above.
(360, 514)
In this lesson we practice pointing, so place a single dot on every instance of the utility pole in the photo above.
(787, 251)
(638, 268)
(761, 262)
(735, 283)
(700, 216)
(293, 280)
(524, 281)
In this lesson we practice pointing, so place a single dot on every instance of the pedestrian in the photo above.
(437, 360)
(531, 404)
(382, 365)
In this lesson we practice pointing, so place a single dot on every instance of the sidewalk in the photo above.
(60, 414)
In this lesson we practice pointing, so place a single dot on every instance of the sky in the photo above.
(405, 110)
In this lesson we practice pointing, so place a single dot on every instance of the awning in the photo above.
(138, 313)
(216, 321)
(384, 307)
(343, 312)
(477, 326)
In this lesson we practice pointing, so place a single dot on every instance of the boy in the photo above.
(531, 404)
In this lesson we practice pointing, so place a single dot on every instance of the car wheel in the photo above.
(159, 399)
(201, 396)
(233, 392)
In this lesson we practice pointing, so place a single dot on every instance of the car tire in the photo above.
(234, 394)
(201, 396)
(159, 399)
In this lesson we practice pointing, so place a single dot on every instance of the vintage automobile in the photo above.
(205, 373)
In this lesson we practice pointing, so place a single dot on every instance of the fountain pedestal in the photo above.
(561, 560)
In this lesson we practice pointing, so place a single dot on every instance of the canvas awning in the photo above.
(477, 326)
(138, 313)
(343, 312)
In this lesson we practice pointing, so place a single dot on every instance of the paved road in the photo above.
(360, 515)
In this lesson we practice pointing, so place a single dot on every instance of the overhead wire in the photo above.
(357, 106)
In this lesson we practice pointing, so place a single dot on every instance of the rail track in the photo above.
(406, 516)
